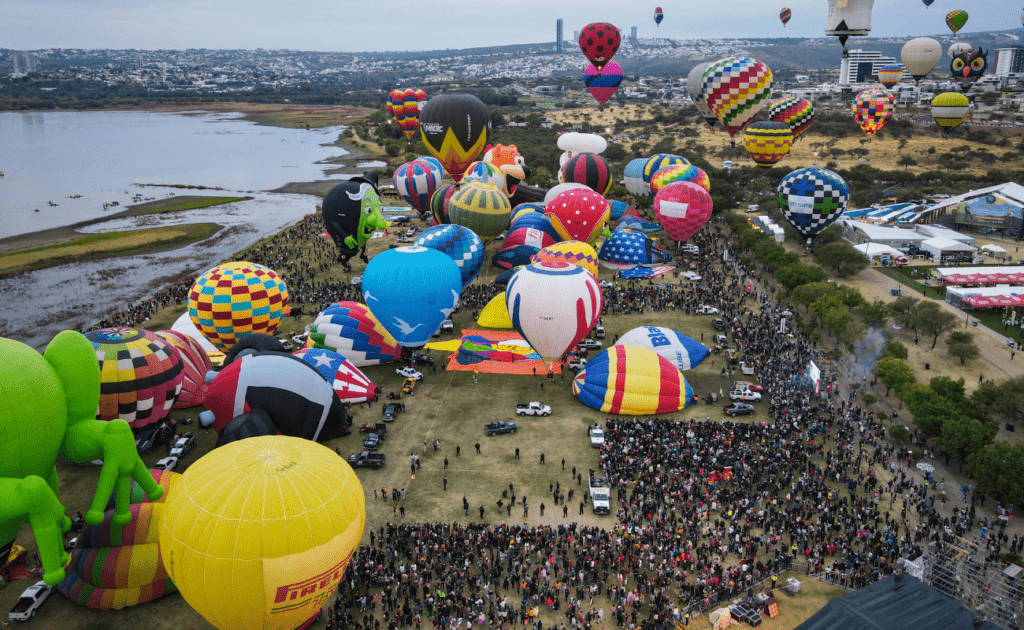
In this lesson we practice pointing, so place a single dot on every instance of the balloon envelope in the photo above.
(347, 381)
(631, 380)
(658, 162)
(694, 81)
(634, 177)
(495, 314)
(485, 173)
(572, 252)
(785, 16)
(679, 173)
(482, 208)
(415, 182)
(578, 214)
(890, 75)
(735, 89)
(920, 55)
(627, 248)
(460, 244)
(949, 109)
(812, 198)
(767, 142)
(872, 110)
(237, 299)
(956, 20)
(602, 83)
(455, 128)
(684, 352)
(290, 549)
(683, 208)
(798, 113)
(195, 364)
(553, 305)
(588, 169)
(574, 142)
(599, 42)
(520, 246)
(412, 290)
(351, 330)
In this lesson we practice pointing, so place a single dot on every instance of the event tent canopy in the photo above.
(877, 249)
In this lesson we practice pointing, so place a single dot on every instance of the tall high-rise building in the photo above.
(558, 35)
(575, 36)
(862, 66)
(632, 32)
(1009, 61)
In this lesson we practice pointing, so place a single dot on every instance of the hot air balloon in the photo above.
(347, 381)
(659, 15)
(574, 143)
(798, 113)
(482, 208)
(967, 67)
(848, 18)
(411, 112)
(535, 220)
(140, 375)
(736, 88)
(460, 244)
(553, 305)
(511, 164)
(658, 162)
(958, 47)
(412, 290)
(588, 169)
(678, 173)
(572, 252)
(767, 142)
(785, 15)
(920, 56)
(890, 75)
(602, 83)
(289, 549)
(237, 299)
(927, 3)
(455, 128)
(415, 182)
(599, 42)
(683, 208)
(812, 198)
(520, 246)
(195, 364)
(684, 352)
(956, 20)
(872, 109)
(632, 381)
(618, 208)
(949, 109)
(554, 191)
(524, 210)
(495, 314)
(627, 248)
(439, 203)
(578, 214)
(694, 81)
(351, 330)
(633, 175)
(352, 211)
(485, 173)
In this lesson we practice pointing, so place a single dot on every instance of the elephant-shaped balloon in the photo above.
(48, 409)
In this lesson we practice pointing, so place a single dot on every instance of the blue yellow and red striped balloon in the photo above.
(630, 380)
(657, 162)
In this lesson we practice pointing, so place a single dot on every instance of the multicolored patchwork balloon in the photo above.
(812, 198)
(573, 252)
(140, 375)
(736, 88)
(767, 142)
(599, 42)
(949, 109)
(872, 109)
(956, 20)
(236, 299)
(798, 113)
(602, 83)
(459, 243)
(351, 330)
(683, 208)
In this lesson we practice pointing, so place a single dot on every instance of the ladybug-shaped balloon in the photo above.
(599, 42)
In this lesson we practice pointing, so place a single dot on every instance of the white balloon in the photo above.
(920, 56)
(684, 352)
(559, 189)
(574, 143)
(185, 326)
(553, 305)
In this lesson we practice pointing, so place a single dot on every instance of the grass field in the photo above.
(192, 203)
(278, 114)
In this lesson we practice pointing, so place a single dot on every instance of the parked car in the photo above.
(597, 437)
(730, 355)
(418, 358)
(30, 601)
(183, 446)
(704, 309)
(590, 344)
(391, 411)
(738, 409)
(606, 284)
(719, 324)
(534, 408)
(754, 387)
(411, 232)
(721, 340)
(692, 275)
(366, 459)
(406, 239)
(373, 441)
(501, 426)
(447, 326)
(745, 395)
(599, 332)
(167, 463)
(577, 363)
(409, 372)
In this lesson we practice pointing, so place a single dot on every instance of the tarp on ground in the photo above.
(888, 605)
(497, 352)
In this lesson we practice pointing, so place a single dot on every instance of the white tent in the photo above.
(995, 250)
(941, 248)
(870, 250)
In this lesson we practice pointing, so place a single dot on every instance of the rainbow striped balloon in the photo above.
(890, 75)
(798, 113)
(680, 173)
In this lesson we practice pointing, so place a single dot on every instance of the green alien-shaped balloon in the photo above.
(48, 408)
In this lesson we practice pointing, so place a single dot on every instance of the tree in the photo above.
(793, 276)
(1010, 401)
(826, 304)
(932, 319)
(894, 374)
(931, 412)
(875, 314)
(906, 161)
(963, 437)
(998, 469)
(961, 346)
(903, 311)
(899, 433)
(807, 294)
(895, 349)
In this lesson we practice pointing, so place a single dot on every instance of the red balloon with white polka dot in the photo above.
(578, 214)
(599, 42)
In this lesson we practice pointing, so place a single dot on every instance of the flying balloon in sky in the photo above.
(599, 42)
(736, 88)
(785, 15)
(956, 20)
(659, 15)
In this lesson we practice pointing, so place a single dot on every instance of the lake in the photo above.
(105, 157)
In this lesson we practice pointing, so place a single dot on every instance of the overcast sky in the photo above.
(366, 25)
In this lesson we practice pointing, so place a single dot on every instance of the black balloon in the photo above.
(352, 211)
(455, 129)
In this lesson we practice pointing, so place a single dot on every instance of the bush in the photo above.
(1012, 558)
(881, 415)
(899, 433)
(869, 399)
(916, 456)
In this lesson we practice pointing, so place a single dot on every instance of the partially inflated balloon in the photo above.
(572, 252)
(459, 243)
(627, 248)
(683, 208)
(798, 113)
(685, 352)
(455, 128)
(415, 182)
(812, 199)
(520, 246)
(482, 208)
(195, 364)
(872, 109)
(956, 20)
(347, 381)
(412, 290)
(693, 88)
(599, 42)
(658, 162)
(736, 88)
(679, 173)
(920, 55)
(279, 515)
(633, 175)
(632, 381)
(535, 220)
(439, 203)
(588, 169)
(553, 305)
(578, 214)
(236, 299)
(484, 173)
(351, 330)
(949, 109)
(554, 191)
(602, 83)
(767, 142)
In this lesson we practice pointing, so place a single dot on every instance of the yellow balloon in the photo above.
(258, 532)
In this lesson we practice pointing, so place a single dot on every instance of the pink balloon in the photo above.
(683, 208)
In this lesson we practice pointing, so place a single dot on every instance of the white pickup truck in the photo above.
(600, 494)
(533, 409)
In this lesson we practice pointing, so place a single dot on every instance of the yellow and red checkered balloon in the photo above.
(236, 299)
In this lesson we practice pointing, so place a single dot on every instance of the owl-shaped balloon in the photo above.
(968, 66)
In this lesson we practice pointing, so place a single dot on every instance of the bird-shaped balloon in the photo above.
(968, 66)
